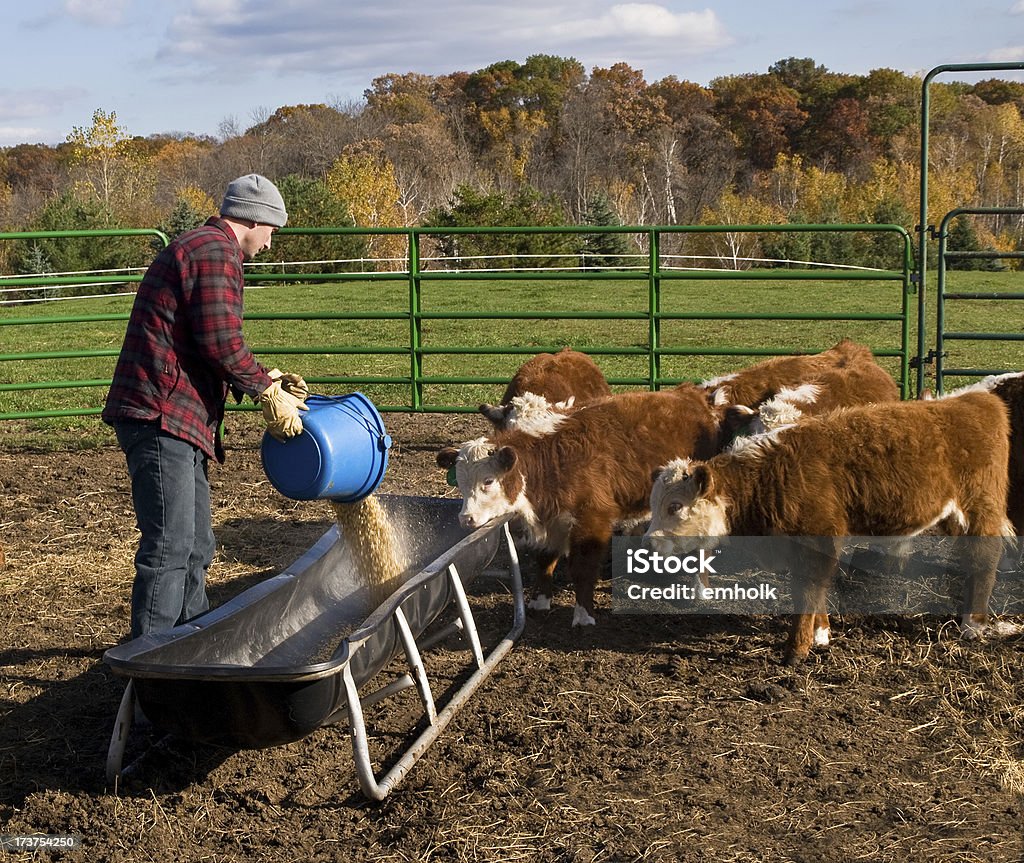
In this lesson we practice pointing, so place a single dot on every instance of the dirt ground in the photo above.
(656, 739)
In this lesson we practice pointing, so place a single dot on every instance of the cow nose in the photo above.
(467, 520)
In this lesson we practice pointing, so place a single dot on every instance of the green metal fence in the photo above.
(418, 332)
(945, 296)
(928, 231)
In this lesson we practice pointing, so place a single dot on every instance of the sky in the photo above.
(202, 66)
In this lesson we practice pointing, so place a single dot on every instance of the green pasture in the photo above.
(485, 329)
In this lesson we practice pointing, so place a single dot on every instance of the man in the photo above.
(183, 351)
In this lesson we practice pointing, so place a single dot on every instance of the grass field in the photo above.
(370, 350)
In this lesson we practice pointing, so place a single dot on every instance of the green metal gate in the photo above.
(945, 296)
(946, 255)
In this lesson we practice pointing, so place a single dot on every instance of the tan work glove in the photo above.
(290, 383)
(281, 411)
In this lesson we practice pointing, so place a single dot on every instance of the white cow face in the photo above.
(684, 505)
(529, 413)
(479, 470)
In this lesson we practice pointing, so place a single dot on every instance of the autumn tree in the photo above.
(300, 139)
(112, 169)
(703, 161)
(363, 180)
(514, 112)
(179, 164)
(504, 123)
(763, 113)
(409, 115)
(892, 103)
(738, 250)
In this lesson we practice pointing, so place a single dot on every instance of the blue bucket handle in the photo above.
(384, 440)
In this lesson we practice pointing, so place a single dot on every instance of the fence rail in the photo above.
(417, 327)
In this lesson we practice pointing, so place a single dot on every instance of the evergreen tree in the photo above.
(472, 208)
(964, 238)
(311, 205)
(604, 249)
(80, 254)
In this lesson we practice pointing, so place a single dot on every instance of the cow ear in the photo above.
(735, 418)
(497, 414)
(446, 458)
(506, 458)
(700, 476)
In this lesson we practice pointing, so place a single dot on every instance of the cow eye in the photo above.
(674, 508)
(489, 482)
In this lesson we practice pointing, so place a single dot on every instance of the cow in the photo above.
(891, 469)
(569, 488)
(758, 383)
(1010, 388)
(546, 388)
(860, 382)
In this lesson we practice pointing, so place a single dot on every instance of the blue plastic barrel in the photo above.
(342, 453)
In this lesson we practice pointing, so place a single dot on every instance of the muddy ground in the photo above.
(658, 739)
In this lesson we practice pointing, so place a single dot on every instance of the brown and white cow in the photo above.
(861, 382)
(758, 383)
(1010, 388)
(878, 470)
(569, 488)
(546, 388)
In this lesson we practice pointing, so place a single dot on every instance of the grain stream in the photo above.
(369, 535)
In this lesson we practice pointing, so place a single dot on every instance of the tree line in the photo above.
(543, 142)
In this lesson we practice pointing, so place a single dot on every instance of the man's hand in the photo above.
(281, 411)
(291, 383)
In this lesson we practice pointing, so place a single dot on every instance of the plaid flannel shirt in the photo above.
(183, 348)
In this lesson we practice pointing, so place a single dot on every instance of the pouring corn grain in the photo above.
(368, 534)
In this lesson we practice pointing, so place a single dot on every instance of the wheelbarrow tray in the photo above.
(266, 667)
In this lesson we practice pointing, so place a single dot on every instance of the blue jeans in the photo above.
(171, 495)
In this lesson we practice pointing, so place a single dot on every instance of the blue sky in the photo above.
(192, 65)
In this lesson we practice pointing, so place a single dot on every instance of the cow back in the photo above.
(559, 377)
(600, 460)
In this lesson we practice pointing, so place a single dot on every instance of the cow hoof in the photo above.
(989, 629)
(581, 617)
(971, 631)
(821, 636)
(540, 603)
(792, 660)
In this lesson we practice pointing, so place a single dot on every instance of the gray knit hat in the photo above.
(255, 199)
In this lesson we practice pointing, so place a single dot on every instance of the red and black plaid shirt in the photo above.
(184, 348)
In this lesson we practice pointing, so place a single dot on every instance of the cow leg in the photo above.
(544, 584)
(979, 558)
(810, 625)
(585, 559)
(822, 630)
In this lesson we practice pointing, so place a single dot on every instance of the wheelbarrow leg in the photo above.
(119, 737)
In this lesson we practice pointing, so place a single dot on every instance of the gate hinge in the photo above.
(929, 359)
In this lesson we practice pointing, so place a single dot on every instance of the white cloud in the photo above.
(651, 21)
(1017, 8)
(30, 104)
(12, 135)
(359, 42)
(1009, 54)
(101, 13)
